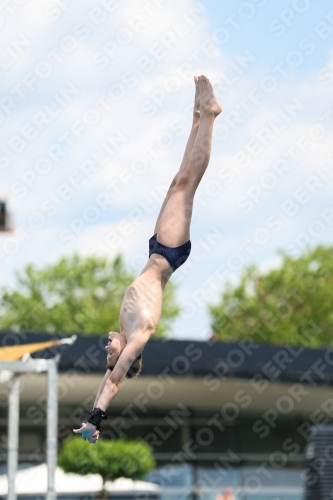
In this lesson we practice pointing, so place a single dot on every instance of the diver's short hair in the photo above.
(134, 369)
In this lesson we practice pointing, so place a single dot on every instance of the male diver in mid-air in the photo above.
(168, 249)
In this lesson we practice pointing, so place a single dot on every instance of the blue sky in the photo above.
(271, 28)
(95, 110)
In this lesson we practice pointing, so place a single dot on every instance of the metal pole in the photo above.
(13, 434)
(52, 427)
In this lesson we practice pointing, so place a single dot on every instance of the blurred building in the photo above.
(216, 414)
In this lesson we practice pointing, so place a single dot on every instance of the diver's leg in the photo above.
(187, 154)
(174, 224)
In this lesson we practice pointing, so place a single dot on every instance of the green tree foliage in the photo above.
(75, 295)
(111, 459)
(292, 304)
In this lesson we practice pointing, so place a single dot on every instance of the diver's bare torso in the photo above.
(142, 304)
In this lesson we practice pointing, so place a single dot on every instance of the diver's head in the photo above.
(115, 346)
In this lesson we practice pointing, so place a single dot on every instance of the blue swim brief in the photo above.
(175, 256)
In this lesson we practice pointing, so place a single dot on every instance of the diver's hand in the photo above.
(227, 495)
(88, 431)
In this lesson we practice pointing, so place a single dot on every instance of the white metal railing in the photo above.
(33, 366)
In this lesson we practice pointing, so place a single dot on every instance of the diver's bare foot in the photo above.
(196, 108)
(209, 105)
